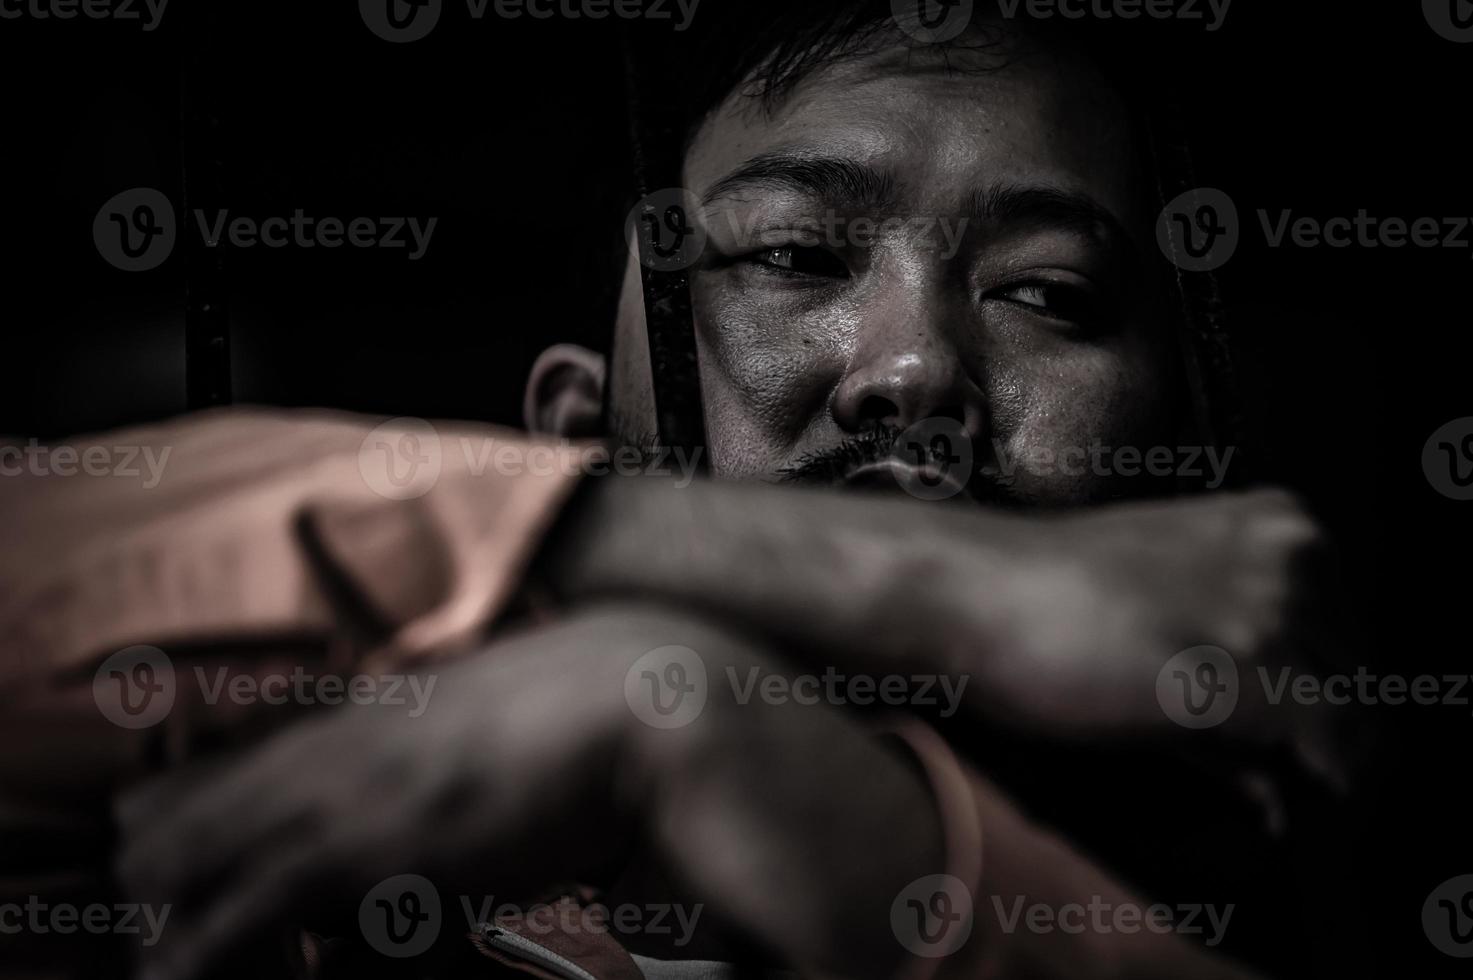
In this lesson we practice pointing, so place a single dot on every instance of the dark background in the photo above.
(511, 133)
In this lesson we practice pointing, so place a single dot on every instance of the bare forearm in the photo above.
(866, 578)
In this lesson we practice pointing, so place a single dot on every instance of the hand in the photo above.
(529, 769)
(1062, 625)
(1099, 603)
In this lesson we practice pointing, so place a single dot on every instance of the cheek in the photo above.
(1071, 401)
(766, 376)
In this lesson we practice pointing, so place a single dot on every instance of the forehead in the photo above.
(943, 126)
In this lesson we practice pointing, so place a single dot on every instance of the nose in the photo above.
(906, 368)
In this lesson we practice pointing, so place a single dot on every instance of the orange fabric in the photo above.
(228, 543)
(255, 542)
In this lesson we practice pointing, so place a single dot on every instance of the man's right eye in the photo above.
(797, 260)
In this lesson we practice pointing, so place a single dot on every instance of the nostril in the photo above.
(876, 409)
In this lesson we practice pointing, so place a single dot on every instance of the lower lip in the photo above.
(891, 475)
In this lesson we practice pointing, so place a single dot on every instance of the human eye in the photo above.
(1074, 304)
(800, 261)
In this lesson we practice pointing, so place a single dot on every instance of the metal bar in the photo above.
(655, 149)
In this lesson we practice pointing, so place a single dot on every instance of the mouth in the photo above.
(926, 481)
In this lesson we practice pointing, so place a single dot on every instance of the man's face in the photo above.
(896, 243)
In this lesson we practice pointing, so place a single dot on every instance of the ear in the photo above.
(565, 392)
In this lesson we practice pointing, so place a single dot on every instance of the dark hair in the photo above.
(768, 47)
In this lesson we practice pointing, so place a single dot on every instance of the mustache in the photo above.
(838, 463)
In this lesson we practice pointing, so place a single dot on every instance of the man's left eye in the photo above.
(1056, 301)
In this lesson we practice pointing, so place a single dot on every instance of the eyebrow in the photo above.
(828, 178)
(839, 180)
(1015, 204)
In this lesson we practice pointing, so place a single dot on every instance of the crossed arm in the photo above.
(514, 766)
